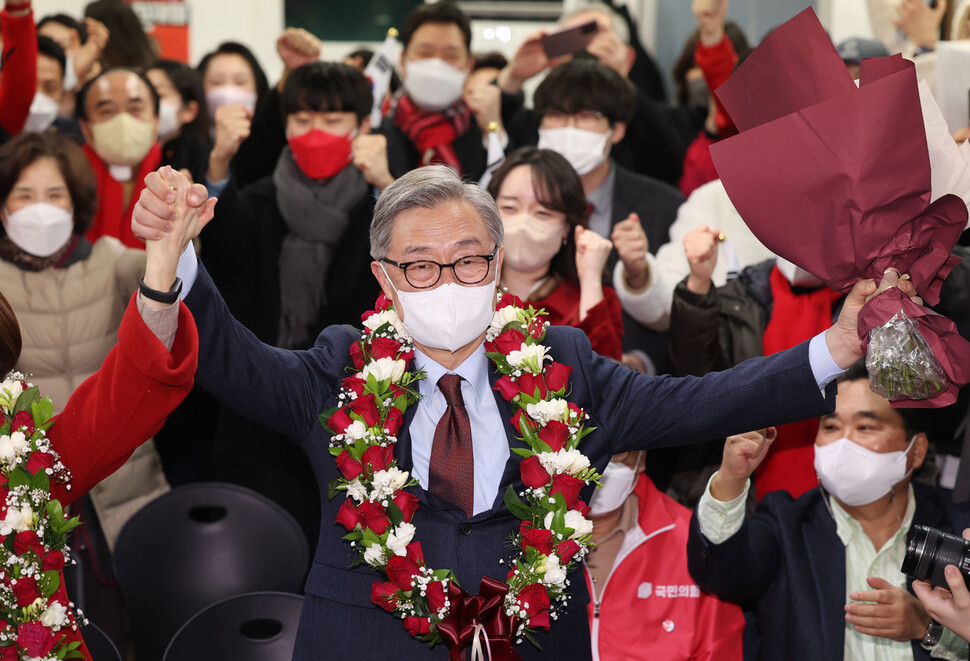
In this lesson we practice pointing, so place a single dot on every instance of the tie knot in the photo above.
(450, 386)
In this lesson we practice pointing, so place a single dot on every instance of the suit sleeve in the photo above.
(125, 402)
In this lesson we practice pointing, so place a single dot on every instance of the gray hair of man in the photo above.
(426, 188)
(619, 25)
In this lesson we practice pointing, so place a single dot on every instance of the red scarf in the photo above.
(112, 218)
(795, 317)
(433, 132)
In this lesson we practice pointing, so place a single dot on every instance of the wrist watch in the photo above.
(932, 635)
(167, 297)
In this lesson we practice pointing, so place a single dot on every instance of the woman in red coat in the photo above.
(552, 260)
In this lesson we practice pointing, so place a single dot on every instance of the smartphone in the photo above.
(569, 40)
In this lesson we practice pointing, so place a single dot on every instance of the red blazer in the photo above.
(123, 404)
(603, 325)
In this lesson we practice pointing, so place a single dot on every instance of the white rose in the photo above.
(375, 321)
(555, 574)
(502, 317)
(399, 538)
(384, 368)
(546, 410)
(12, 389)
(374, 555)
(54, 616)
(357, 491)
(391, 479)
(19, 442)
(18, 520)
(356, 430)
(529, 356)
(580, 524)
(574, 461)
(7, 452)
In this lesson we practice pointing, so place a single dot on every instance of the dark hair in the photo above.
(557, 187)
(490, 60)
(67, 21)
(50, 48)
(915, 421)
(439, 12)
(10, 341)
(24, 149)
(128, 46)
(327, 87)
(686, 62)
(188, 83)
(82, 96)
(235, 48)
(586, 84)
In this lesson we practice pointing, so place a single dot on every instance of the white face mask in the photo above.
(856, 475)
(43, 112)
(617, 483)
(447, 317)
(224, 95)
(796, 275)
(583, 149)
(168, 122)
(529, 243)
(40, 229)
(433, 84)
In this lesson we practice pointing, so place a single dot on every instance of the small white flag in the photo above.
(379, 71)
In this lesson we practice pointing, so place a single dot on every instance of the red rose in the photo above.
(35, 639)
(407, 356)
(528, 383)
(23, 420)
(533, 474)
(373, 516)
(383, 303)
(580, 507)
(537, 328)
(401, 571)
(580, 414)
(507, 300)
(28, 540)
(357, 355)
(25, 590)
(393, 420)
(339, 421)
(367, 315)
(555, 434)
(383, 595)
(384, 347)
(53, 560)
(407, 503)
(347, 516)
(568, 486)
(510, 340)
(538, 538)
(534, 600)
(506, 387)
(39, 461)
(10, 652)
(354, 383)
(567, 549)
(557, 376)
(366, 407)
(379, 458)
(436, 595)
(521, 419)
(415, 553)
(417, 626)
(349, 467)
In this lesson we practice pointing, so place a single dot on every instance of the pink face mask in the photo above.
(225, 95)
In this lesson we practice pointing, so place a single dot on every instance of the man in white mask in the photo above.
(51, 64)
(433, 120)
(437, 248)
(823, 571)
(644, 604)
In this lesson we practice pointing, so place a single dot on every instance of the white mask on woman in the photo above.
(530, 243)
(40, 229)
(168, 122)
(616, 484)
(584, 149)
(433, 84)
(856, 475)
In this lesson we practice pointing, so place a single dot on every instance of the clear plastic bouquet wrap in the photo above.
(850, 182)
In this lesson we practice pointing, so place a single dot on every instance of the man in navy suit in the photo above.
(429, 216)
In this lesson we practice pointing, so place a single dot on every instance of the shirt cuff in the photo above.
(824, 367)
(187, 269)
(163, 322)
(719, 520)
(215, 188)
(951, 647)
(650, 305)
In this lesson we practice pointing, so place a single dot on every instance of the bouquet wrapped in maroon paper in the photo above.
(848, 181)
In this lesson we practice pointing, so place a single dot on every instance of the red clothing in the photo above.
(717, 62)
(19, 78)
(122, 404)
(650, 607)
(698, 164)
(603, 324)
(112, 217)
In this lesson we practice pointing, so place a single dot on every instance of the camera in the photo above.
(929, 550)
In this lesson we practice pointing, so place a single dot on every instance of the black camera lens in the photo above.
(929, 551)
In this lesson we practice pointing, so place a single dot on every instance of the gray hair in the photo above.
(620, 26)
(426, 188)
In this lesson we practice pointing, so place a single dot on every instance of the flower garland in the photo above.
(554, 532)
(35, 612)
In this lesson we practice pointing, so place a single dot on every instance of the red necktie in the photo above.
(451, 474)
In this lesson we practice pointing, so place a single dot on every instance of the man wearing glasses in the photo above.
(437, 249)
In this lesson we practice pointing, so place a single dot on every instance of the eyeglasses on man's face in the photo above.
(424, 273)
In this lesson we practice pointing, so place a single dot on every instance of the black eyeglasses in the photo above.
(468, 270)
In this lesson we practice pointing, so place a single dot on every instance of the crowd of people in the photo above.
(272, 214)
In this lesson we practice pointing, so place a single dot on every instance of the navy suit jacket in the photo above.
(788, 560)
(286, 390)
